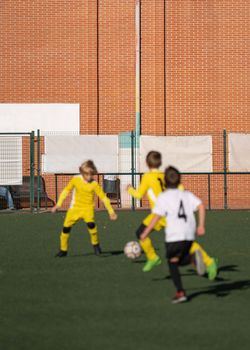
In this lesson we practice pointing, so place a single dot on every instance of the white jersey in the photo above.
(178, 207)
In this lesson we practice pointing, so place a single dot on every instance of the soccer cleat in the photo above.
(180, 297)
(150, 264)
(97, 249)
(199, 263)
(212, 270)
(61, 254)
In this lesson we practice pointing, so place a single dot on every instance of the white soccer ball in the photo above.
(132, 250)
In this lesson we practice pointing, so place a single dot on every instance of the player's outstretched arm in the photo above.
(113, 216)
(64, 194)
(99, 192)
(142, 189)
(54, 208)
(201, 223)
(150, 227)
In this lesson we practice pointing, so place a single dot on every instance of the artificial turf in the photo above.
(88, 302)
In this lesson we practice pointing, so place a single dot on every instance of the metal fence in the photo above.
(223, 196)
(17, 151)
(220, 189)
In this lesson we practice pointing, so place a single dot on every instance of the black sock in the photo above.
(175, 275)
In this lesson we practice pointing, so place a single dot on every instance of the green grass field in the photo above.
(87, 302)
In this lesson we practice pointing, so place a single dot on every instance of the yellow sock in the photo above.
(148, 248)
(93, 236)
(64, 238)
(206, 258)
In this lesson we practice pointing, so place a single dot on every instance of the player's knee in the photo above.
(174, 260)
(66, 229)
(140, 231)
(91, 225)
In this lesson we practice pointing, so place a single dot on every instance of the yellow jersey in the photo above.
(152, 184)
(83, 194)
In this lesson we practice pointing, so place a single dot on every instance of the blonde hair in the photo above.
(89, 164)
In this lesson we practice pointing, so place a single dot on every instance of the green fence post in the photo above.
(38, 170)
(32, 158)
(209, 191)
(225, 167)
(132, 166)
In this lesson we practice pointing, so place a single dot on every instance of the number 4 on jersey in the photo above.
(181, 212)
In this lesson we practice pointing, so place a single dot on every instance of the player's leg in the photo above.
(64, 238)
(92, 229)
(153, 259)
(210, 263)
(70, 220)
(177, 254)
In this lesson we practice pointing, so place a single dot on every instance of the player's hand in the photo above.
(129, 186)
(200, 230)
(113, 216)
(54, 209)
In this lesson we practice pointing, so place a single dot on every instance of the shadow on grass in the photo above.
(79, 255)
(218, 289)
(111, 253)
(140, 261)
(104, 254)
(222, 289)
(230, 268)
(191, 272)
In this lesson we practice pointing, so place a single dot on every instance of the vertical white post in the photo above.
(138, 69)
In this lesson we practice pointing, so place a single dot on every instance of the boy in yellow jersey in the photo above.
(153, 184)
(84, 188)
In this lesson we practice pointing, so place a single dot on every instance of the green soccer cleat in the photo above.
(212, 270)
(150, 264)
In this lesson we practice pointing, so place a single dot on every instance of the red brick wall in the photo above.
(208, 71)
(49, 54)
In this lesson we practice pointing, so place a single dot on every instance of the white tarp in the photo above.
(187, 153)
(64, 154)
(50, 118)
(11, 171)
(239, 152)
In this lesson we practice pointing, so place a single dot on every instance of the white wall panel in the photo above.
(64, 154)
(239, 152)
(187, 153)
(49, 118)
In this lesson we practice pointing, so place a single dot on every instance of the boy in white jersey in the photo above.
(178, 207)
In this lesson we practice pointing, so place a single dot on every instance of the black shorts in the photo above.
(180, 250)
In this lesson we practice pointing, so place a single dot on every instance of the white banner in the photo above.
(59, 118)
(11, 171)
(239, 152)
(187, 153)
(64, 154)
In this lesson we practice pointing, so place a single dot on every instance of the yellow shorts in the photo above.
(160, 224)
(73, 215)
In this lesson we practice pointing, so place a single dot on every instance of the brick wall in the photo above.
(49, 54)
(195, 63)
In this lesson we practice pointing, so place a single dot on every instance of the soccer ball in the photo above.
(132, 250)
